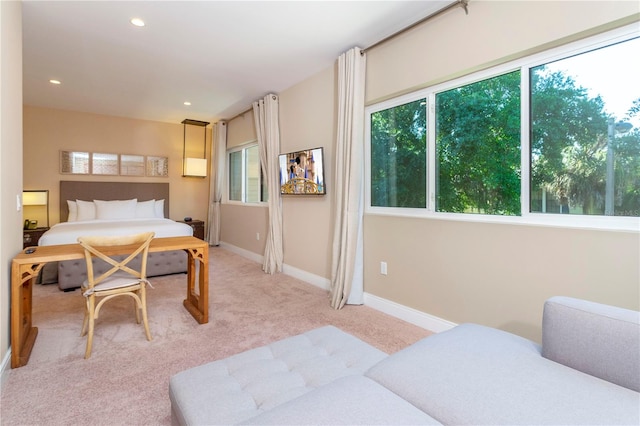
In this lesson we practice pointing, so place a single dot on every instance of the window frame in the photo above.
(242, 148)
(404, 99)
(524, 64)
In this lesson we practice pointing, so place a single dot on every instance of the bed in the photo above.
(112, 208)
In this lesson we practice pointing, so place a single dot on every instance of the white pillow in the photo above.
(73, 211)
(146, 209)
(86, 210)
(116, 209)
(160, 208)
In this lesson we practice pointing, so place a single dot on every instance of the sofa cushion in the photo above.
(242, 386)
(351, 400)
(597, 339)
(473, 374)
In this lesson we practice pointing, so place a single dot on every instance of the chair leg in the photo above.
(91, 302)
(85, 320)
(143, 299)
(137, 308)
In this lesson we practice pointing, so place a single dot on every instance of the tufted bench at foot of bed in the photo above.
(71, 273)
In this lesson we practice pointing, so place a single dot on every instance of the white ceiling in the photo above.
(219, 55)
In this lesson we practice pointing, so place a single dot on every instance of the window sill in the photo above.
(603, 223)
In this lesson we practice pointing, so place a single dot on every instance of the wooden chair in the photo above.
(120, 280)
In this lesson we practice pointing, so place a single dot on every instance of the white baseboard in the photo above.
(307, 277)
(6, 366)
(292, 271)
(410, 315)
(242, 252)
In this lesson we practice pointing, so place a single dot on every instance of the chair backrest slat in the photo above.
(95, 246)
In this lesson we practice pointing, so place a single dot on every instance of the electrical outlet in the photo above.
(383, 268)
(257, 236)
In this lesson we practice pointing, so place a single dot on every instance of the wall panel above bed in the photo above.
(88, 191)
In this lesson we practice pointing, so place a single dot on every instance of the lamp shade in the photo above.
(35, 198)
(196, 167)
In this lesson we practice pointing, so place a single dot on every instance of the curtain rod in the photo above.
(458, 3)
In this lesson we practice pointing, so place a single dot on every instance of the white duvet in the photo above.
(68, 232)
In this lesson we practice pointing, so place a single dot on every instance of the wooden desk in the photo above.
(25, 267)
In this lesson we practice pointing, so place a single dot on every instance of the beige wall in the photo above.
(493, 274)
(47, 131)
(240, 225)
(307, 120)
(10, 156)
(497, 274)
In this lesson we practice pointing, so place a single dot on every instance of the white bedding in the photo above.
(68, 232)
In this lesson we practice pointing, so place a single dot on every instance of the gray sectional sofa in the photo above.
(587, 371)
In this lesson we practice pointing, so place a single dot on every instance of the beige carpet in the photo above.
(125, 382)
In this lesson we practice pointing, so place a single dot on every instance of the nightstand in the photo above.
(30, 237)
(198, 227)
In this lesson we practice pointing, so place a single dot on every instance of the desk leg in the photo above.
(23, 334)
(198, 304)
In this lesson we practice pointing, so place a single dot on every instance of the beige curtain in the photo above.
(347, 261)
(265, 113)
(218, 152)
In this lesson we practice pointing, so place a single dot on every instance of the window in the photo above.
(398, 156)
(246, 183)
(235, 175)
(584, 159)
(478, 147)
(554, 134)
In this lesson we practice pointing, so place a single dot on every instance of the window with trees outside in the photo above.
(550, 137)
(245, 176)
(398, 156)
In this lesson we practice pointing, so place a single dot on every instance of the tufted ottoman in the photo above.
(240, 387)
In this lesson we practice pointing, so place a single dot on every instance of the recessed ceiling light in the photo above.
(137, 22)
(54, 81)
(187, 103)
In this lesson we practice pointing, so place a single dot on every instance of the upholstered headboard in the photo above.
(87, 191)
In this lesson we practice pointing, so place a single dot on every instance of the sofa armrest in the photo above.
(597, 339)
